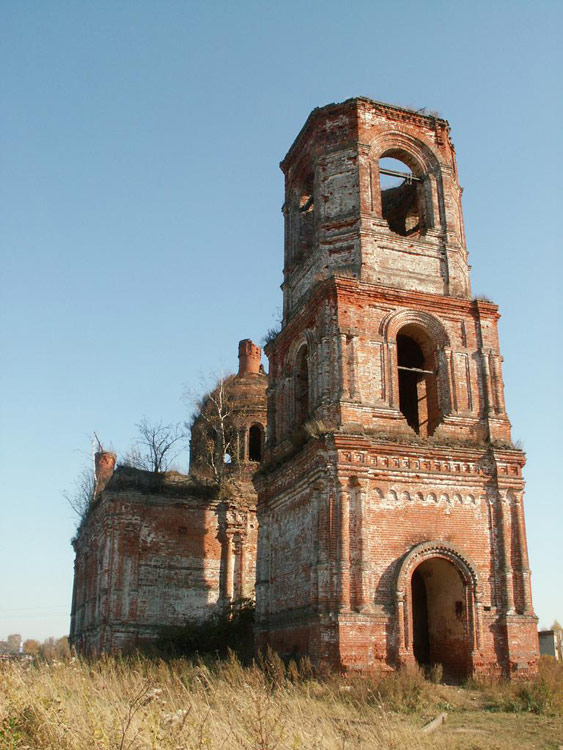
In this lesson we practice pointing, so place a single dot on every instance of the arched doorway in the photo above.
(441, 632)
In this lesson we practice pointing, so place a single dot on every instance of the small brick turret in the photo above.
(105, 466)
(249, 356)
(243, 396)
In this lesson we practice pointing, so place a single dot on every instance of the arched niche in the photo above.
(300, 212)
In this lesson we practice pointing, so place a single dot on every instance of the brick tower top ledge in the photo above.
(349, 211)
(405, 114)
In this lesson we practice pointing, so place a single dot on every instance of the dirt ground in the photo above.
(472, 725)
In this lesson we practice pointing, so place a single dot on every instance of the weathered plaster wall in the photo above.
(338, 151)
(160, 549)
(351, 328)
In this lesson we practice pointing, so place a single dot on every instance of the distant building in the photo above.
(550, 643)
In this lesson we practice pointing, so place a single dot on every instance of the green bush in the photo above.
(218, 636)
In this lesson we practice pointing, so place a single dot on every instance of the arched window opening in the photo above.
(301, 386)
(255, 439)
(402, 197)
(306, 215)
(440, 621)
(418, 388)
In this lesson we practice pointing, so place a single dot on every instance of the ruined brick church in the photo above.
(375, 497)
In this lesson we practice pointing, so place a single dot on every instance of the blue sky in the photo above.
(142, 235)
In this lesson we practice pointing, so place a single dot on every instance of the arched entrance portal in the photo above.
(440, 618)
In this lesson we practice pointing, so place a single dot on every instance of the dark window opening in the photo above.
(255, 443)
(421, 639)
(418, 390)
(306, 215)
(411, 361)
(301, 386)
(401, 198)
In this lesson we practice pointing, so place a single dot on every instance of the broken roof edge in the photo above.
(127, 478)
(314, 114)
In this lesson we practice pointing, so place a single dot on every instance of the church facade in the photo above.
(376, 496)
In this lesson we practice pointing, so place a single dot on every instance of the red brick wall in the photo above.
(151, 557)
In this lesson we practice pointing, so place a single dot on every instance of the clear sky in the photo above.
(141, 233)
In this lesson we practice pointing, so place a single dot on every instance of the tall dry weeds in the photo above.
(543, 695)
(138, 704)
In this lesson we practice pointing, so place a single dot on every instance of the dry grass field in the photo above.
(133, 704)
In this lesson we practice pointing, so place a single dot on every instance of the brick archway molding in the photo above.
(394, 321)
(403, 598)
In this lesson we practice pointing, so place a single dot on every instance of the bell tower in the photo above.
(344, 214)
(391, 527)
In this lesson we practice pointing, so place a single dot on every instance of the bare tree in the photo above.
(156, 446)
(53, 649)
(215, 427)
(82, 494)
(31, 646)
